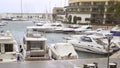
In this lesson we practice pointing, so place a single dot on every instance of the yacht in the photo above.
(3, 23)
(34, 44)
(90, 43)
(83, 28)
(48, 27)
(57, 27)
(70, 29)
(102, 35)
(8, 47)
(115, 39)
(63, 51)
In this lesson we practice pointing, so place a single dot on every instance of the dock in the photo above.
(102, 63)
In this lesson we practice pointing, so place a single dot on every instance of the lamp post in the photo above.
(109, 38)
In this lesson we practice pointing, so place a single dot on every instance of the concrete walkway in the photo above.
(102, 63)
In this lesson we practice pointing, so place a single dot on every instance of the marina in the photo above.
(60, 34)
(18, 29)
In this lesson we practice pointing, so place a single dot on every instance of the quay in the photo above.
(102, 63)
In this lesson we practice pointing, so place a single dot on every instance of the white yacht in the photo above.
(70, 29)
(36, 49)
(8, 47)
(83, 28)
(115, 39)
(89, 43)
(48, 27)
(63, 51)
(3, 23)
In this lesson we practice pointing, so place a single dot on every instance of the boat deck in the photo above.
(102, 63)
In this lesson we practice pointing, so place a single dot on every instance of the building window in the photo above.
(98, 3)
(86, 3)
(77, 4)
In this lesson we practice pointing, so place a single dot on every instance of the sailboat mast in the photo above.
(21, 9)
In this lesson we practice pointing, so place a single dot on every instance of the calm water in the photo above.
(18, 29)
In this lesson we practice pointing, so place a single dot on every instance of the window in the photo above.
(86, 3)
(8, 47)
(86, 39)
(99, 41)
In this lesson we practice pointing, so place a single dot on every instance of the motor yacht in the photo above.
(8, 47)
(34, 43)
(83, 28)
(63, 51)
(89, 43)
(70, 29)
(48, 27)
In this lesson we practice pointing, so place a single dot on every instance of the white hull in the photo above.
(8, 54)
(78, 48)
(59, 51)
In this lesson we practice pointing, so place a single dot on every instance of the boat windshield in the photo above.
(99, 41)
(86, 39)
(36, 45)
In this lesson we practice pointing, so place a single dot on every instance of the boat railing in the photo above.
(6, 34)
(35, 35)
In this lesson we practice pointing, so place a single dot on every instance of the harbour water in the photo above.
(18, 29)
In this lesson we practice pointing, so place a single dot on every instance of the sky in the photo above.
(30, 6)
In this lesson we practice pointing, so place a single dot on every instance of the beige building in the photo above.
(90, 11)
(26, 16)
(58, 13)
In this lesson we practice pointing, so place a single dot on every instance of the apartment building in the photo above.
(58, 13)
(89, 11)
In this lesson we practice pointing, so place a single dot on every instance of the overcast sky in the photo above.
(30, 6)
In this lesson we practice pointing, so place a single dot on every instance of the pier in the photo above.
(102, 63)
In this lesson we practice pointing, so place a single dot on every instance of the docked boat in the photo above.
(102, 35)
(8, 47)
(70, 29)
(115, 39)
(90, 43)
(63, 51)
(83, 28)
(47, 27)
(36, 49)
(3, 23)
(116, 30)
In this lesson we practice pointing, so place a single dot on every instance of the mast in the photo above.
(21, 9)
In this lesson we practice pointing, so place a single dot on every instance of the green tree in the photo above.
(114, 11)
